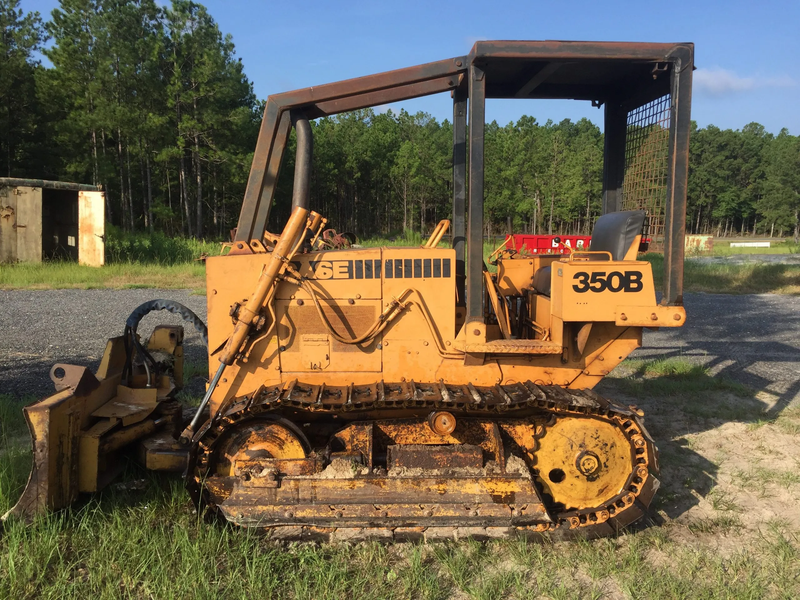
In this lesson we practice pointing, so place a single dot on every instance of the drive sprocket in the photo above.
(583, 462)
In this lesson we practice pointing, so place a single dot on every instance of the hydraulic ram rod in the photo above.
(248, 313)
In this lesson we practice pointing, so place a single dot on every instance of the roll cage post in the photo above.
(622, 77)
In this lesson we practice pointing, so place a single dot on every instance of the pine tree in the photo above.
(20, 113)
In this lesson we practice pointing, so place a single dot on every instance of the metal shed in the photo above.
(51, 220)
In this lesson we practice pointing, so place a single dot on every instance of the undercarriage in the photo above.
(409, 460)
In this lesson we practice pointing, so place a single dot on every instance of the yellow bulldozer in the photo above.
(409, 392)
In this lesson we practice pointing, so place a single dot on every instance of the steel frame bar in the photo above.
(615, 127)
(460, 187)
(264, 172)
(563, 51)
(477, 119)
(381, 88)
(405, 92)
(675, 210)
(537, 80)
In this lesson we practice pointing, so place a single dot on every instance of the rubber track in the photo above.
(504, 400)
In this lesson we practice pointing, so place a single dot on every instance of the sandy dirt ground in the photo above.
(730, 454)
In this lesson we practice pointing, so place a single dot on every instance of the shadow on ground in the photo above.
(687, 408)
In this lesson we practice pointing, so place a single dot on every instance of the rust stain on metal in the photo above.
(462, 456)
(442, 422)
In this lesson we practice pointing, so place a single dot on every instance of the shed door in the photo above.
(8, 225)
(91, 229)
(29, 224)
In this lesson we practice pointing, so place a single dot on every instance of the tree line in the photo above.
(151, 102)
(148, 102)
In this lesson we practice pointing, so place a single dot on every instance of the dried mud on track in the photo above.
(730, 455)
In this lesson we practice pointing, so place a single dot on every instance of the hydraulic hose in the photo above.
(375, 329)
(174, 307)
(278, 261)
(132, 323)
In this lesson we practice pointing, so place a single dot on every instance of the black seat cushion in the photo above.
(615, 232)
(541, 280)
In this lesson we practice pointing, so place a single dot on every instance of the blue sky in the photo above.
(746, 52)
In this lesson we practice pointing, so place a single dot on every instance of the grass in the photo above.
(673, 377)
(64, 275)
(11, 417)
(132, 261)
(149, 543)
(716, 524)
(756, 478)
(155, 248)
(723, 248)
(748, 278)
(722, 501)
(407, 238)
(787, 421)
(158, 261)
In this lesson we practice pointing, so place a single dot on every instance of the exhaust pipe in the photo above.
(301, 191)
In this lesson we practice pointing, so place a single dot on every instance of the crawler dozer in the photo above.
(410, 392)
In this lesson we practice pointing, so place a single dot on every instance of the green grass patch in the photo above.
(680, 386)
(716, 524)
(149, 543)
(749, 278)
(68, 275)
(155, 248)
(672, 377)
(15, 454)
(407, 238)
(787, 421)
(722, 248)
(667, 367)
(12, 421)
(143, 261)
(756, 478)
(137, 260)
(722, 501)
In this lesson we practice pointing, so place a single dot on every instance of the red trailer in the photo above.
(547, 244)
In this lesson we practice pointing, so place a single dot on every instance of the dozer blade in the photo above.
(77, 432)
(55, 425)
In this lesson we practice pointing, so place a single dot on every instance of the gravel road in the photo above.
(754, 339)
(42, 327)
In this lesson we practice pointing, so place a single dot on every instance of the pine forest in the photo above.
(152, 103)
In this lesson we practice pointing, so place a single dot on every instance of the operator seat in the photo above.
(614, 233)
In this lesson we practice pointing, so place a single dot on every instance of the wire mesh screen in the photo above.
(646, 162)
